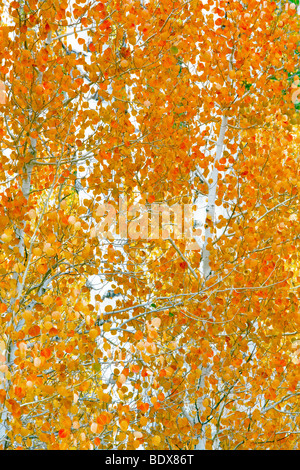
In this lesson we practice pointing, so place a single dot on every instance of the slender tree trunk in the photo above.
(211, 205)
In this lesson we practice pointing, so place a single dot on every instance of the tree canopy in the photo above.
(115, 334)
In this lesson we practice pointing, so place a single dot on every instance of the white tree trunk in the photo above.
(212, 183)
(211, 204)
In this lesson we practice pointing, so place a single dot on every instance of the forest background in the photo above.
(113, 341)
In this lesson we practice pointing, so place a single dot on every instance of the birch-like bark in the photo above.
(211, 204)
(212, 182)
(202, 439)
(11, 346)
(15, 323)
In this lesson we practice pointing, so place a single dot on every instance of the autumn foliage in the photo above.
(183, 102)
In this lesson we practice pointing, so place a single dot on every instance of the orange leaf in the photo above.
(34, 330)
(138, 335)
(39, 89)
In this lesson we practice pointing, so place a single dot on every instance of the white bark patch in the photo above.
(212, 193)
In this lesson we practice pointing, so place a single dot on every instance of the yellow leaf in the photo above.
(6, 238)
(47, 300)
(106, 326)
(48, 325)
(93, 333)
(124, 425)
(143, 421)
(156, 440)
(19, 268)
(37, 251)
(205, 402)
(124, 63)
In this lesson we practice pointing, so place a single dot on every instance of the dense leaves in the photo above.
(118, 339)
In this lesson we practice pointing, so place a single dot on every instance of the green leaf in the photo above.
(96, 367)
(174, 50)
(247, 85)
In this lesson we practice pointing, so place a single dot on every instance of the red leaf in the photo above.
(63, 433)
